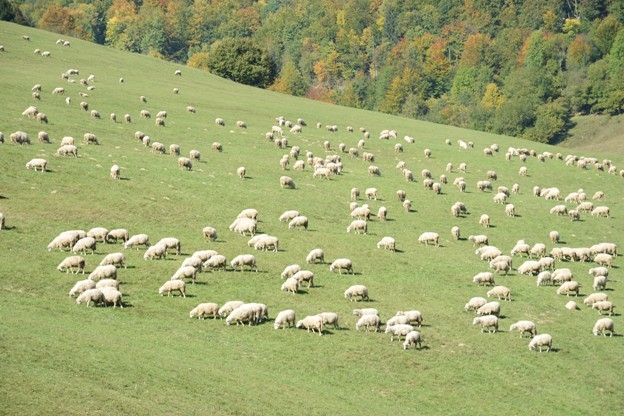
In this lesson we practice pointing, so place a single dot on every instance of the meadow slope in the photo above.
(150, 358)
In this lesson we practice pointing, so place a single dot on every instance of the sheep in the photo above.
(561, 275)
(609, 248)
(598, 195)
(81, 286)
(371, 193)
(484, 220)
(387, 243)
(489, 321)
(500, 292)
(241, 171)
(358, 227)
(455, 232)
(412, 316)
(37, 164)
(585, 207)
(413, 338)
(171, 242)
(107, 271)
(159, 121)
(228, 307)
(321, 172)
(62, 241)
(157, 251)
(203, 310)
(544, 278)
(288, 215)
(241, 124)
(89, 138)
(474, 303)
(185, 272)
(185, 163)
(96, 114)
(604, 305)
(602, 325)
(290, 270)
(398, 330)
(341, 264)
(567, 287)
(84, 105)
(300, 221)
(194, 155)
(209, 233)
(478, 240)
(311, 323)
(539, 341)
(244, 226)
(355, 291)
(58, 91)
(115, 172)
(304, 276)
(111, 295)
(42, 136)
(538, 250)
(84, 244)
(595, 297)
(330, 318)
(500, 198)
(242, 314)
(287, 182)
(367, 321)
(490, 308)
(510, 210)
(116, 259)
(244, 260)
(314, 255)
(501, 263)
(267, 242)
(90, 296)
(530, 267)
(604, 259)
(485, 278)
(117, 234)
(520, 248)
(429, 237)
(216, 262)
(600, 283)
(285, 318)
(361, 213)
(173, 286)
(601, 211)
(484, 185)
(599, 271)
(20, 137)
(70, 262)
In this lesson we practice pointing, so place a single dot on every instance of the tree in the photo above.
(241, 60)
(290, 81)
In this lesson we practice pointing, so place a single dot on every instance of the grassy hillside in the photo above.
(596, 133)
(150, 358)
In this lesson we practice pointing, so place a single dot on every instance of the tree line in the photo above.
(515, 67)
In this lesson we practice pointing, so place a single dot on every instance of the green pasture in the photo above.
(57, 357)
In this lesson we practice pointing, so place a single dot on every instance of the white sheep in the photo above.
(602, 325)
(37, 164)
(539, 341)
(289, 215)
(355, 291)
(367, 321)
(314, 255)
(304, 276)
(544, 278)
(63, 240)
(287, 182)
(244, 260)
(371, 193)
(112, 296)
(291, 285)
(600, 283)
(171, 243)
(209, 233)
(341, 264)
(228, 307)
(216, 262)
(524, 326)
(204, 255)
(117, 234)
(489, 322)
(185, 272)
(84, 244)
(285, 318)
(399, 330)
(95, 296)
(478, 240)
(601, 211)
(173, 286)
(530, 267)
(157, 251)
(567, 287)
(330, 318)
(203, 310)
(604, 305)
(81, 286)
(397, 320)
(429, 237)
(117, 259)
(474, 303)
(107, 283)
(311, 323)
(595, 297)
(70, 262)
(267, 243)
(387, 243)
(413, 316)
(240, 315)
(358, 227)
(490, 308)
(501, 292)
(185, 163)
(455, 232)
(604, 259)
(108, 271)
(300, 221)
(484, 220)
(413, 338)
(137, 240)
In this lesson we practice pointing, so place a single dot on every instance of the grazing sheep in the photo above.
(455, 232)
(91, 296)
(554, 237)
(160, 122)
(171, 242)
(520, 248)
(115, 172)
(117, 234)
(601, 211)
(599, 271)
(37, 164)
(84, 244)
(414, 339)
(99, 233)
(490, 308)
(71, 262)
(604, 305)
(398, 330)
(108, 271)
(341, 264)
(600, 283)
(137, 240)
(174, 149)
(539, 341)
(96, 114)
(111, 295)
(304, 276)
(82, 286)
(429, 237)
(544, 278)
(530, 267)
(501, 263)
(510, 210)
(216, 262)
(185, 163)
(484, 220)
(387, 243)
(604, 259)
(311, 323)
(484, 278)
(478, 240)
(195, 155)
(241, 171)
(185, 272)
(567, 287)
(595, 297)
(157, 251)
(203, 310)
(602, 325)
(67, 150)
(267, 243)
(287, 182)
(330, 318)
(314, 255)
(285, 318)
(289, 271)
(158, 147)
(242, 314)
(173, 286)
(90, 138)
(490, 322)
(209, 233)
(368, 320)
(299, 221)
(241, 124)
(500, 292)
(116, 259)
(474, 304)
(365, 311)
(371, 193)
(358, 227)
(244, 260)
(412, 316)
(355, 291)
(288, 215)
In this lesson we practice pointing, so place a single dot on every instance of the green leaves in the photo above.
(241, 60)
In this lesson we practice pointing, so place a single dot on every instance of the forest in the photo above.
(522, 68)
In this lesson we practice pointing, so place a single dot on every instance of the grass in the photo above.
(596, 133)
(150, 358)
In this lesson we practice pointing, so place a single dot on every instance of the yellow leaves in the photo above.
(571, 26)
(492, 98)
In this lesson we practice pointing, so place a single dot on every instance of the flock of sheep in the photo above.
(102, 287)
